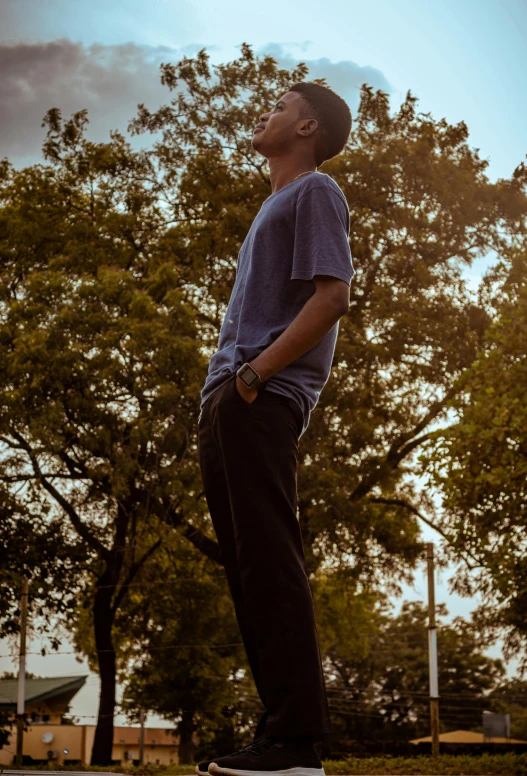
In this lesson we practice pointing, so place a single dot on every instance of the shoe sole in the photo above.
(298, 770)
(201, 773)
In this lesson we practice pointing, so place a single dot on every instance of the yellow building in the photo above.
(46, 699)
(48, 741)
(70, 744)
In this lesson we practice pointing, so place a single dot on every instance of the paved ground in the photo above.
(45, 772)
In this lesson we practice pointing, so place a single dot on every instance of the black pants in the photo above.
(248, 458)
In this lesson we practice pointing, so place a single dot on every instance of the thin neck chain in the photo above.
(303, 173)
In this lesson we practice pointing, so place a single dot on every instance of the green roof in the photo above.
(39, 689)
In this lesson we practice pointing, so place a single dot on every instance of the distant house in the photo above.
(161, 745)
(467, 737)
(49, 740)
(47, 700)
(72, 744)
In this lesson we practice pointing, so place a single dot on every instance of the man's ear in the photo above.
(307, 127)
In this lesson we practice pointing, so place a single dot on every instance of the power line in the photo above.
(149, 649)
(417, 693)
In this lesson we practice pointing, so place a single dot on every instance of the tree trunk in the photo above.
(103, 623)
(186, 744)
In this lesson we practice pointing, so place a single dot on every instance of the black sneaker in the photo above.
(271, 757)
(203, 768)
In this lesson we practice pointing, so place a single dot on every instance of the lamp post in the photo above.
(432, 652)
(20, 707)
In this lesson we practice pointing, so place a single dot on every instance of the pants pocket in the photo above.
(238, 394)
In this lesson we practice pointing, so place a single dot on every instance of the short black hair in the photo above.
(333, 116)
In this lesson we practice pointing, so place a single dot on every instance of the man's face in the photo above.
(276, 132)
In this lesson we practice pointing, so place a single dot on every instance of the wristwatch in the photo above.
(249, 376)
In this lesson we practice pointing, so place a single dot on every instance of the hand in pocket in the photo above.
(247, 394)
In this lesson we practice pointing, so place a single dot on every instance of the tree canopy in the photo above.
(100, 373)
(376, 665)
(480, 462)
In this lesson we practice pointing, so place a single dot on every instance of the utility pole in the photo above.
(432, 652)
(21, 674)
(142, 737)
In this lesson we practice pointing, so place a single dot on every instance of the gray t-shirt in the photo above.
(300, 231)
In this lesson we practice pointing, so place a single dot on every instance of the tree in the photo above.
(180, 650)
(479, 463)
(99, 372)
(32, 544)
(376, 667)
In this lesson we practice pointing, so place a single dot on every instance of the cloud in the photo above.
(345, 77)
(110, 81)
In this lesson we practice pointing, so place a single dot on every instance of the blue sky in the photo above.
(463, 60)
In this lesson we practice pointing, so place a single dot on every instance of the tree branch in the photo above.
(81, 528)
(203, 543)
(53, 475)
(432, 413)
(166, 512)
(132, 572)
(401, 447)
(399, 502)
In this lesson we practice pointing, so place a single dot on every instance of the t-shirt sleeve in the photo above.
(321, 236)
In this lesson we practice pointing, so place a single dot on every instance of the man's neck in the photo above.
(284, 170)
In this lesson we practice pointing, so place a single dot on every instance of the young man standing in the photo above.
(274, 356)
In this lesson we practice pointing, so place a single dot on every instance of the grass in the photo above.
(507, 764)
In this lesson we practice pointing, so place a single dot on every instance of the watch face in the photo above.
(249, 377)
